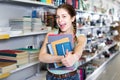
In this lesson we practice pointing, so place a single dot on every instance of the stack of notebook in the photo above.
(57, 45)
(6, 67)
(21, 24)
(33, 54)
(20, 57)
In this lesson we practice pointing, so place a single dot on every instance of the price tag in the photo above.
(4, 36)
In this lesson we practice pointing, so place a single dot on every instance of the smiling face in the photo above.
(64, 20)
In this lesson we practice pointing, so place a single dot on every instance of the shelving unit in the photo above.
(99, 52)
(20, 39)
(99, 70)
(87, 67)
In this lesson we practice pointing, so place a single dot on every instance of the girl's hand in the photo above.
(69, 59)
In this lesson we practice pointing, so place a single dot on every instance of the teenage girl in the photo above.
(66, 21)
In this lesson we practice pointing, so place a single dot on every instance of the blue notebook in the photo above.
(61, 48)
(49, 49)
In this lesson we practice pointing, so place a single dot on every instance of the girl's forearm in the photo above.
(47, 58)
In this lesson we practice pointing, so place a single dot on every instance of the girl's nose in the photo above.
(60, 19)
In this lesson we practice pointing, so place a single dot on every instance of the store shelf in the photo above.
(96, 41)
(98, 71)
(90, 12)
(25, 66)
(91, 27)
(34, 3)
(28, 34)
(98, 53)
(7, 36)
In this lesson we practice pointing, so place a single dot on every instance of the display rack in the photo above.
(97, 53)
(22, 39)
(99, 70)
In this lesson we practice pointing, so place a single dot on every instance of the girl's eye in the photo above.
(64, 16)
(56, 17)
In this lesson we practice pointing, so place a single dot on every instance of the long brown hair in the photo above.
(71, 11)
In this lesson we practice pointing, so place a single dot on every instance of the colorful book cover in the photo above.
(12, 58)
(74, 3)
(49, 1)
(43, 1)
(29, 50)
(13, 53)
(5, 60)
(54, 37)
(49, 49)
(69, 2)
(54, 46)
(62, 47)
(61, 51)
(58, 42)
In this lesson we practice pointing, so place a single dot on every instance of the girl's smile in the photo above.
(62, 25)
